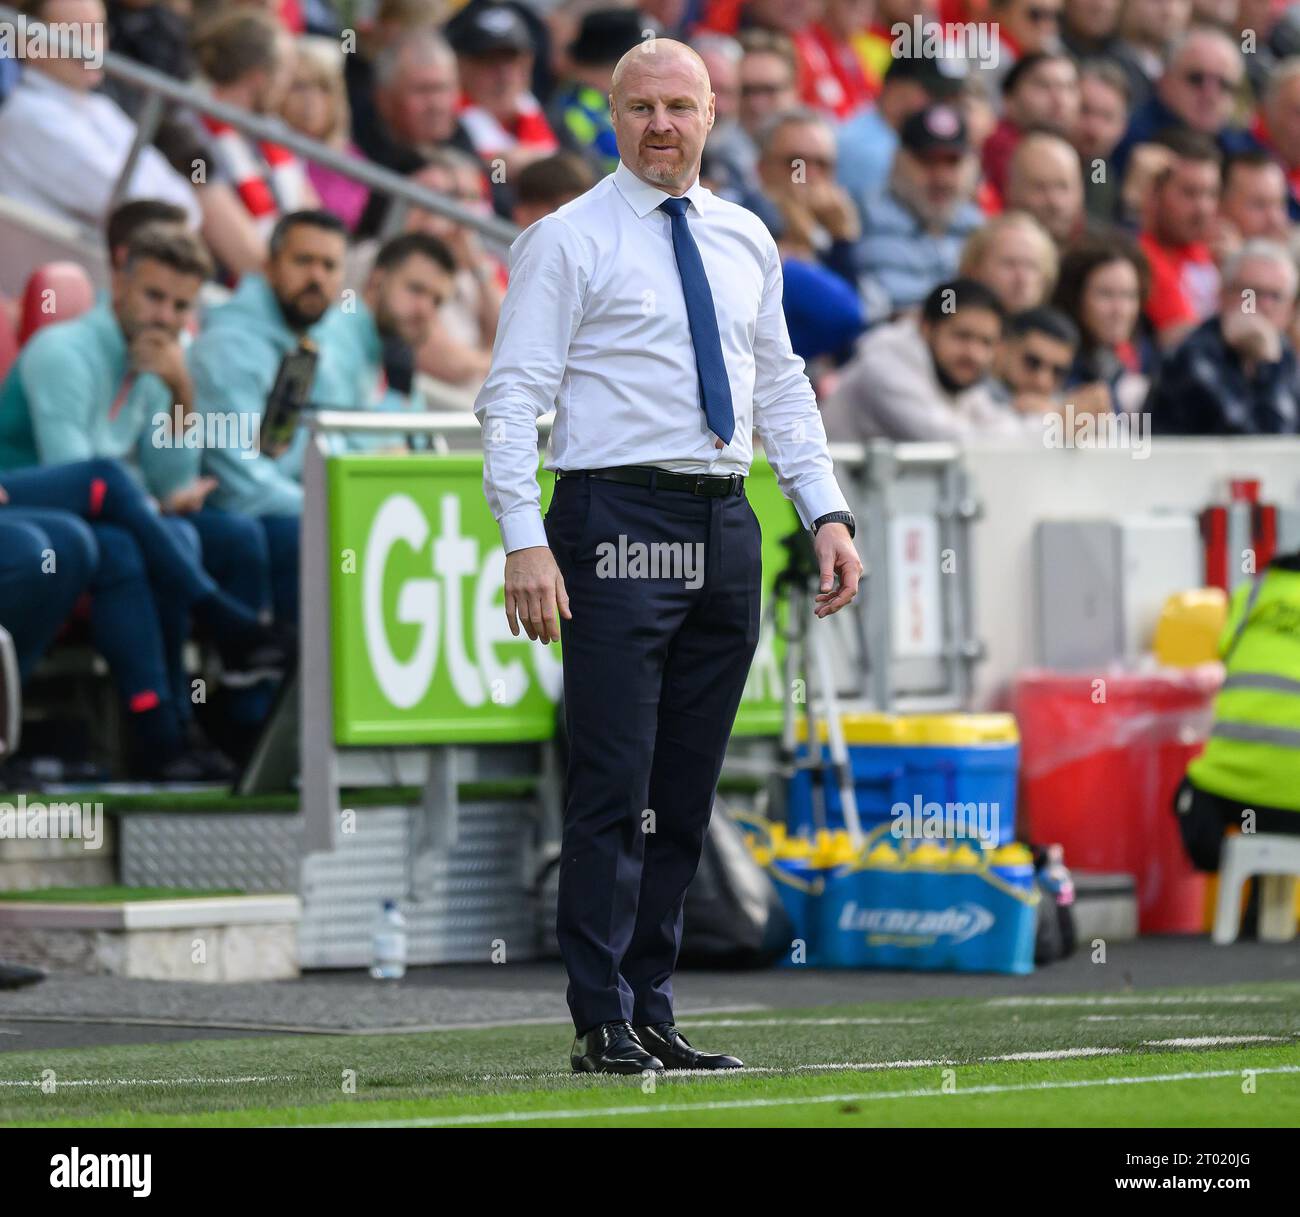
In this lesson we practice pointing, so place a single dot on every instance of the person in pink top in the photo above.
(316, 105)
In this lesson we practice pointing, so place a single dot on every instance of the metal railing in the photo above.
(159, 88)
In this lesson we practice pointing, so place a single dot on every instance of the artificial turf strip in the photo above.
(182, 801)
(112, 894)
(456, 1075)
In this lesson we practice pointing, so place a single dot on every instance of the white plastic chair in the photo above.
(1276, 858)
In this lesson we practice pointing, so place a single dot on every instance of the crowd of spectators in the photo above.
(988, 211)
(889, 146)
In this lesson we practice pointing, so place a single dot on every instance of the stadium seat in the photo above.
(8, 337)
(57, 291)
(1275, 857)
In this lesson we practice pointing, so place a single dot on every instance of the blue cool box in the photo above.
(927, 920)
(983, 770)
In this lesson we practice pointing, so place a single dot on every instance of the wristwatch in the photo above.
(836, 517)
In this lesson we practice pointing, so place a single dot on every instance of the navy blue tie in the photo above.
(715, 389)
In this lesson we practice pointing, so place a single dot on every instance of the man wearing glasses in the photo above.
(1198, 92)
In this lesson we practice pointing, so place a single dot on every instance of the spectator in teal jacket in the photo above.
(107, 383)
(368, 346)
(112, 387)
(364, 362)
(235, 359)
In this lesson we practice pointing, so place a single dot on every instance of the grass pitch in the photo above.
(1221, 1056)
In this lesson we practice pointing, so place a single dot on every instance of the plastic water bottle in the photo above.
(1056, 876)
(389, 955)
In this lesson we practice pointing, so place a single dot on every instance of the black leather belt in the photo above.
(712, 485)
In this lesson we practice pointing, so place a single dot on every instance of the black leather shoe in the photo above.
(671, 1047)
(16, 975)
(613, 1048)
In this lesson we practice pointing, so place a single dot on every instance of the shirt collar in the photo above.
(643, 198)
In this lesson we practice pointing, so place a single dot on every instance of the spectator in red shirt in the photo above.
(841, 21)
(248, 60)
(1041, 92)
(504, 119)
(1045, 180)
(1180, 213)
(816, 81)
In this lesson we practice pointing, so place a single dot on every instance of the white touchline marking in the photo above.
(1231, 999)
(59, 1084)
(1056, 1054)
(517, 1117)
(805, 1022)
(1210, 1041)
(1049, 1054)
(1125, 1018)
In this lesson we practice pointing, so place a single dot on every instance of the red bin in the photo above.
(1100, 759)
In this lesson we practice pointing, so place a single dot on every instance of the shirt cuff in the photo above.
(522, 530)
(819, 498)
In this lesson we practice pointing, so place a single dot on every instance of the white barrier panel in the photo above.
(1016, 487)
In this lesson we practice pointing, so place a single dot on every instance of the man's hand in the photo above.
(189, 499)
(1253, 337)
(1091, 399)
(534, 590)
(836, 556)
(4, 496)
(834, 209)
(154, 350)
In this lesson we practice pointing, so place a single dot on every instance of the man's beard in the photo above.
(665, 173)
(934, 217)
(298, 320)
(951, 384)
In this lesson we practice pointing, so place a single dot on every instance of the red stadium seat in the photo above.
(57, 291)
(8, 337)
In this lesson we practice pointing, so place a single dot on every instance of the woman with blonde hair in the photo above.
(1013, 255)
(316, 105)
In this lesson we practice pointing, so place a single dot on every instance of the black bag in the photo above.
(733, 917)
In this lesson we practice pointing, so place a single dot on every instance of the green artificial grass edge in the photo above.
(223, 801)
(112, 894)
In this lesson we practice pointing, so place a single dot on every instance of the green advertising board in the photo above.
(421, 650)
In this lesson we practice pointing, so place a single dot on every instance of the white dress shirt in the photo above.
(61, 151)
(594, 327)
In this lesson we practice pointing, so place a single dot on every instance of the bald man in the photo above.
(647, 314)
(1045, 180)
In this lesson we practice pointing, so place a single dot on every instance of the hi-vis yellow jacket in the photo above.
(1253, 754)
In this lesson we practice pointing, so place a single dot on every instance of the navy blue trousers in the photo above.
(147, 571)
(47, 559)
(655, 661)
